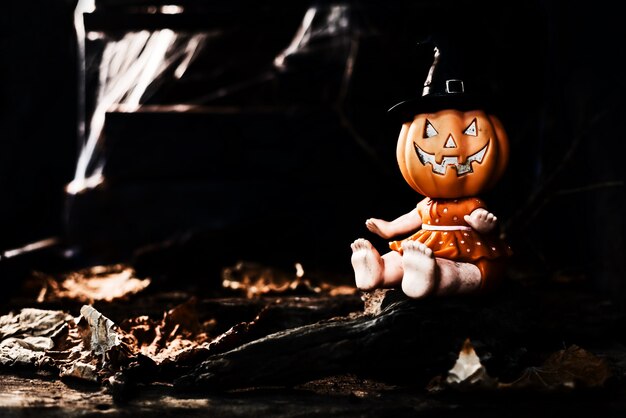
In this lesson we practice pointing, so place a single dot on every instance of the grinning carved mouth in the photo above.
(461, 169)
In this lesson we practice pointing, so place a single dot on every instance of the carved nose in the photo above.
(450, 142)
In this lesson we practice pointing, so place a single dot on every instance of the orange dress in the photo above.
(446, 233)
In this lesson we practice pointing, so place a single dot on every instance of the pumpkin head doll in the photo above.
(450, 149)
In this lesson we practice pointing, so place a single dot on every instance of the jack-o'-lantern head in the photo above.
(452, 153)
(450, 144)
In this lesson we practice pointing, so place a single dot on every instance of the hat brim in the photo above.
(406, 110)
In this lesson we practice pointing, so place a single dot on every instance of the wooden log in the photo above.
(406, 341)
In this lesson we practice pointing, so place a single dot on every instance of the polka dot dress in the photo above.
(446, 233)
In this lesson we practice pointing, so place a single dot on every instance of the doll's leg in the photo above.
(371, 270)
(457, 278)
(425, 273)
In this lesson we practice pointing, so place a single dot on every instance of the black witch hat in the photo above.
(451, 83)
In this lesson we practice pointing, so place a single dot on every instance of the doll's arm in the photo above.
(481, 220)
(405, 224)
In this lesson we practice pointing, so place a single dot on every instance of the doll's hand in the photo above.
(481, 220)
(379, 227)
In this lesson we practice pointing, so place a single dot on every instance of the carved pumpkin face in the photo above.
(452, 154)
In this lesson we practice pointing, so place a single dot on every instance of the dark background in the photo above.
(284, 166)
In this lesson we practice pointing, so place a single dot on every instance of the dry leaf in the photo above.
(466, 366)
(566, 369)
(256, 280)
(25, 337)
(85, 346)
(467, 373)
(179, 331)
(468, 369)
(99, 283)
(103, 335)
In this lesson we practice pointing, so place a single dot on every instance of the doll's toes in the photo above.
(359, 244)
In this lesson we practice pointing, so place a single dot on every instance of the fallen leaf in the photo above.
(468, 370)
(24, 337)
(466, 366)
(565, 369)
(255, 280)
(103, 335)
(90, 347)
(99, 283)
(467, 373)
(180, 330)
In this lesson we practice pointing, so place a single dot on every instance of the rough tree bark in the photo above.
(407, 341)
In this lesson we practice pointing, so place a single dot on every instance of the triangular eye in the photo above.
(429, 130)
(471, 129)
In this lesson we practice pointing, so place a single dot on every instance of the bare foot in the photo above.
(419, 269)
(367, 264)
(481, 220)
